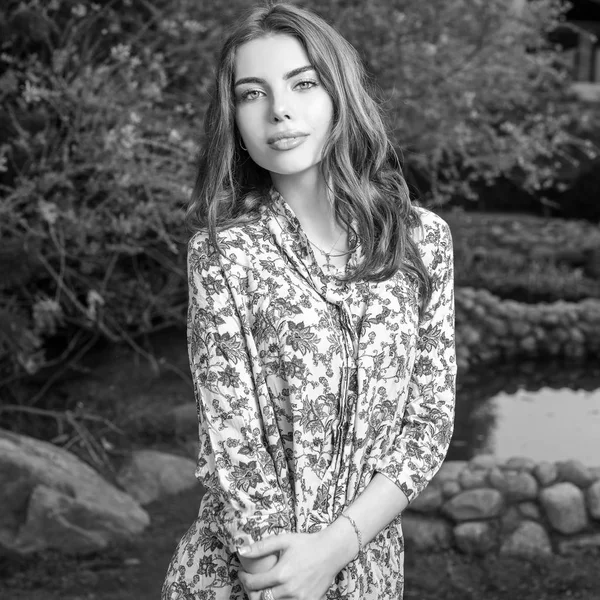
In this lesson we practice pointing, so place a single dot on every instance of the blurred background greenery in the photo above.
(100, 126)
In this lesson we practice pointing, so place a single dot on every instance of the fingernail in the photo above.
(243, 550)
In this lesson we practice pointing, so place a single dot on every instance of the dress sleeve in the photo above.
(236, 462)
(423, 437)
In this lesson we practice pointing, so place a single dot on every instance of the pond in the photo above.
(541, 411)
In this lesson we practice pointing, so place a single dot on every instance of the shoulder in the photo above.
(433, 239)
(237, 243)
(433, 229)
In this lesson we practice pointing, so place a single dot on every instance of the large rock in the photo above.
(149, 475)
(475, 537)
(564, 506)
(520, 463)
(579, 543)
(51, 499)
(546, 473)
(470, 479)
(426, 533)
(517, 486)
(484, 462)
(528, 539)
(472, 505)
(449, 471)
(574, 471)
(592, 495)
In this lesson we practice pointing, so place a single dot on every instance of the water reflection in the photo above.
(545, 412)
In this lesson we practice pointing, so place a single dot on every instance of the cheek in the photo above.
(323, 116)
(246, 123)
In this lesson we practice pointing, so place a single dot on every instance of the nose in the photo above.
(281, 109)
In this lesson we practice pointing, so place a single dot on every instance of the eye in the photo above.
(306, 84)
(250, 95)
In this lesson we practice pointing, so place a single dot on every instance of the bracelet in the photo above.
(357, 531)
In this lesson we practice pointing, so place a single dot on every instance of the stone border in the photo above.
(513, 507)
(489, 329)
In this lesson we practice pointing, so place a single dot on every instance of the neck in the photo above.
(308, 196)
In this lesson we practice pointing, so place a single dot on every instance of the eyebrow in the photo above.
(287, 76)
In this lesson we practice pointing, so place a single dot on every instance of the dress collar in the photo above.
(291, 238)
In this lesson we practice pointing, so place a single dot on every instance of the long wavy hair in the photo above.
(359, 162)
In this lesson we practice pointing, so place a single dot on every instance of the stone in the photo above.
(469, 479)
(511, 519)
(483, 461)
(149, 475)
(595, 472)
(520, 463)
(429, 500)
(451, 488)
(546, 473)
(574, 471)
(475, 537)
(578, 543)
(426, 533)
(515, 485)
(53, 500)
(564, 506)
(529, 539)
(471, 505)
(449, 471)
(530, 510)
(592, 497)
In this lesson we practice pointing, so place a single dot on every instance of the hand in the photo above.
(305, 570)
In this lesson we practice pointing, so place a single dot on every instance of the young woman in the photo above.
(320, 330)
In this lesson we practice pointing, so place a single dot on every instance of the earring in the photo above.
(242, 145)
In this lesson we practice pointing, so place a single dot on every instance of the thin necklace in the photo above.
(328, 255)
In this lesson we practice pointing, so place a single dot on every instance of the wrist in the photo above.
(340, 540)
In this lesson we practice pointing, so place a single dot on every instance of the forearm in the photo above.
(378, 505)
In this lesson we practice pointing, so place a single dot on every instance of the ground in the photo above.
(135, 571)
(126, 388)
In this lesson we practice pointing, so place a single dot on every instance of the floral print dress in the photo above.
(306, 387)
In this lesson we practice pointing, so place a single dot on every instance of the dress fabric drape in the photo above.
(307, 386)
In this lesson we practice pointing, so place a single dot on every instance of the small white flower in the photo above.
(174, 136)
(194, 26)
(79, 11)
(48, 211)
(430, 49)
(121, 52)
(94, 300)
(32, 93)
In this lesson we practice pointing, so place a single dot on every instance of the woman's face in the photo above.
(282, 111)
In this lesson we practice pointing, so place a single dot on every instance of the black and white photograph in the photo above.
(300, 300)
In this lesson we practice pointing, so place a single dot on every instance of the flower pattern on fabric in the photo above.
(307, 386)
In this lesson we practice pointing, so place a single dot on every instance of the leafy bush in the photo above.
(102, 105)
(97, 163)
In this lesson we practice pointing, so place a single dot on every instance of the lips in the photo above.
(287, 140)
(282, 135)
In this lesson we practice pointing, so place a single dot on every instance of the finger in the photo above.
(254, 582)
(270, 545)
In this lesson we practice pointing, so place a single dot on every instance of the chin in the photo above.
(289, 165)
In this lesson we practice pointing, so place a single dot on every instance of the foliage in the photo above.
(526, 258)
(102, 105)
(97, 163)
(473, 89)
